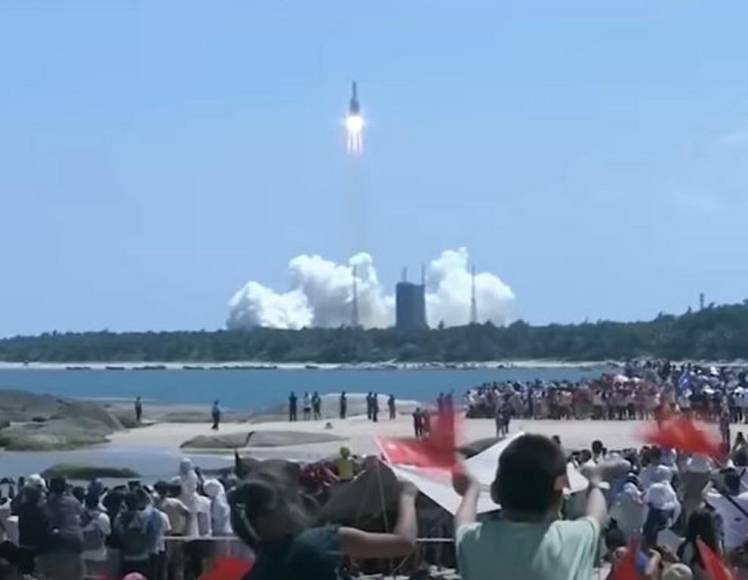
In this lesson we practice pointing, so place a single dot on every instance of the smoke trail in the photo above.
(321, 294)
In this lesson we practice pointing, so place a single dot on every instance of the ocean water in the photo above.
(258, 389)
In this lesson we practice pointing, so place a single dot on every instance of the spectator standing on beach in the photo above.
(216, 414)
(724, 427)
(375, 407)
(418, 423)
(293, 403)
(317, 406)
(499, 420)
(307, 407)
(343, 405)
(391, 405)
(63, 557)
(138, 410)
(529, 541)
(369, 406)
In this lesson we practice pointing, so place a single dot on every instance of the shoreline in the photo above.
(188, 366)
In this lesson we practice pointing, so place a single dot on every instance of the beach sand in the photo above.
(359, 434)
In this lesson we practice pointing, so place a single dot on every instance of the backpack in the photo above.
(93, 536)
(133, 536)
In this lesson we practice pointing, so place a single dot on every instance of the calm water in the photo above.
(256, 389)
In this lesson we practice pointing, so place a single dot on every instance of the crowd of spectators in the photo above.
(59, 531)
(637, 393)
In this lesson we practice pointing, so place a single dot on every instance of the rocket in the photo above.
(353, 107)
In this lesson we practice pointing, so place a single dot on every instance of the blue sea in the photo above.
(258, 389)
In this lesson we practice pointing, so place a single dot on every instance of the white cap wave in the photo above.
(321, 295)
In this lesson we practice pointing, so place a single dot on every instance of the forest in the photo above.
(714, 333)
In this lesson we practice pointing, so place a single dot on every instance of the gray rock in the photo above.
(45, 423)
(89, 472)
(258, 439)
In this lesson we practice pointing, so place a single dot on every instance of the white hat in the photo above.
(36, 480)
(677, 572)
(698, 464)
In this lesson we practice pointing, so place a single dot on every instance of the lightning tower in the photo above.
(354, 303)
(473, 301)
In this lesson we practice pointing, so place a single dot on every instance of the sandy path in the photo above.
(358, 434)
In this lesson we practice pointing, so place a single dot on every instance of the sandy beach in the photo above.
(359, 434)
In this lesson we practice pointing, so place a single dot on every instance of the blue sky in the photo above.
(154, 156)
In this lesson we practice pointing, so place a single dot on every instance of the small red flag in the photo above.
(227, 569)
(683, 434)
(714, 566)
(626, 567)
(435, 451)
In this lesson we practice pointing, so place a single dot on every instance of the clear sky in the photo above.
(156, 155)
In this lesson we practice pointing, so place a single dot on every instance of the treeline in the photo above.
(715, 333)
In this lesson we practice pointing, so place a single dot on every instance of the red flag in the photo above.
(714, 566)
(435, 451)
(626, 568)
(227, 569)
(683, 434)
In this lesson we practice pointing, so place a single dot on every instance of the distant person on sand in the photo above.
(343, 405)
(138, 410)
(418, 423)
(375, 407)
(307, 407)
(317, 406)
(369, 406)
(391, 406)
(216, 414)
(292, 407)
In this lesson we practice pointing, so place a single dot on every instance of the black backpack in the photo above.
(132, 531)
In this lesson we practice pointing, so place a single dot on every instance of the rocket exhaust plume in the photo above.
(321, 294)
(354, 126)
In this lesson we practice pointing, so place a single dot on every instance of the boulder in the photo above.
(89, 472)
(258, 439)
(53, 435)
(20, 407)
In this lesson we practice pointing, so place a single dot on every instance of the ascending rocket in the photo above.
(353, 107)
(354, 125)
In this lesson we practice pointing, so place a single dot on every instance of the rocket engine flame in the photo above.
(354, 126)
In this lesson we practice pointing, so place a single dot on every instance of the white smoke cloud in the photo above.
(321, 294)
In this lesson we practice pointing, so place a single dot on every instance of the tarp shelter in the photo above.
(437, 485)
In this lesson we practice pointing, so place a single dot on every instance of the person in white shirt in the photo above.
(219, 509)
(731, 508)
(648, 474)
(661, 505)
(96, 527)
